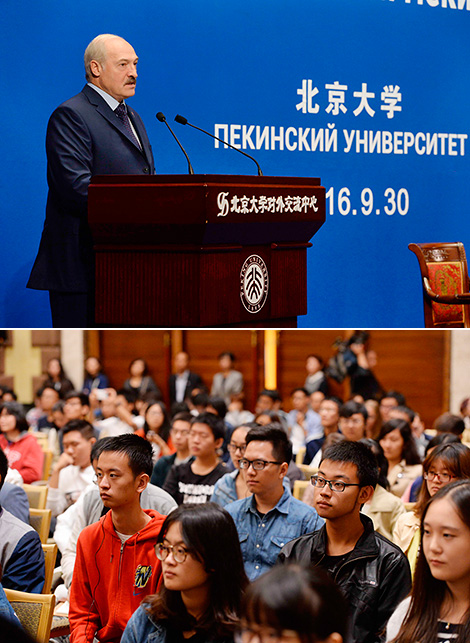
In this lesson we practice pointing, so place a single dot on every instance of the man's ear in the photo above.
(218, 443)
(95, 68)
(283, 469)
(365, 494)
(143, 479)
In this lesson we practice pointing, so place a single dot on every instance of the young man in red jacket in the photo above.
(116, 565)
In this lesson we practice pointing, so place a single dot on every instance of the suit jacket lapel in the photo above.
(105, 110)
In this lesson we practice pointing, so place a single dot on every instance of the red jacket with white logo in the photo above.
(110, 579)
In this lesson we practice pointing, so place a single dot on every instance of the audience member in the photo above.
(417, 428)
(361, 371)
(404, 463)
(57, 378)
(271, 517)
(449, 423)
(72, 472)
(294, 604)
(329, 418)
(198, 402)
(194, 481)
(316, 379)
(227, 381)
(89, 508)
(439, 606)
(13, 498)
(94, 376)
(203, 580)
(48, 398)
(315, 399)
(22, 564)
(389, 401)
(384, 508)
(77, 406)
(139, 380)
(372, 572)
(156, 429)
(21, 447)
(444, 464)
(236, 413)
(116, 566)
(352, 420)
(116, 413)
(304, 423)
(182, 381)
(374, 420)
(232, 486)
(180, 427)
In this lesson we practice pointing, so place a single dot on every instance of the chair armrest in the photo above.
(461, 299)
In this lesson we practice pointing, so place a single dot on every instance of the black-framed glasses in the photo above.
(335, 485)
(258, 465)
(179, 552)
(236, 447)
(441, 477)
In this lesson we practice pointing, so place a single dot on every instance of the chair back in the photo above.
(46, 471)
(40, 520)
(37, 495)
(50, 556)
(34, 612)
(444, 275)
(299, 488)
(299, 458)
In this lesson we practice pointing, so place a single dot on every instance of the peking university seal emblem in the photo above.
(254, 283)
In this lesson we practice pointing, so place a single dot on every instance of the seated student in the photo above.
(270, 517)
(352, 420)
(157, 429)
(203, 580)
(399, 447)
(72, 472)
(94, 376)
(294, 604)
(329, 418)
(21, 448)
(89, 508)
(194, 481)
(116, 566)
(13, 497)
(57, 378)
(139, 380)
(112, 412)
(21, 554)
(232, 486)
(48, 397)
(304, 423)
(372, 572)
(439, 606)
(179, 433)
(227, 381)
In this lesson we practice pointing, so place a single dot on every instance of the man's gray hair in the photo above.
(96, 50)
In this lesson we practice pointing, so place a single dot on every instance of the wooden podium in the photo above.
(202, 250)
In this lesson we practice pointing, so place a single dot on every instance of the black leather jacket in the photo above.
(375, 577)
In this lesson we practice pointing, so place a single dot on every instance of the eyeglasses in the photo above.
(248, 634)
(258, 465)
(236, 447)
(335, 485)
(179, 552)
(442, 477)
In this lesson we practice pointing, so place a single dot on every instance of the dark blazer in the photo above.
(84, 138)
(194, 381)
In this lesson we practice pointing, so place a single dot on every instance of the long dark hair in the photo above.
(409, 451)
(428, 593)
(211, 537)
(302, 599)
(164, 430)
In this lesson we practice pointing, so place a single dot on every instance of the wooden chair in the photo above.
(299, 458)
(37, 495)
(40, 520)
(42, 438)
(34, 611)
(46, 470)
(445, 283)
(307, 470)
(50, 555)
(299, 488)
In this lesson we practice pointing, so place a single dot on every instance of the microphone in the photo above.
(162, 119)
(184, 121)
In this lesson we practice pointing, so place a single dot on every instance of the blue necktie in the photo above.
(121, 113)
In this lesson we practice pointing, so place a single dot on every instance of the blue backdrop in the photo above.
(327, 77)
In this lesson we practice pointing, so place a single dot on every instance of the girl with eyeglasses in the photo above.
(438, 609)
(232, 486)
(203, 580)
(446, 463)
(293, 604)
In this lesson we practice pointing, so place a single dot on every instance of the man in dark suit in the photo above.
(92, 133)
(183, 381)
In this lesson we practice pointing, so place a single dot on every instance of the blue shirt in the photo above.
(262, 538)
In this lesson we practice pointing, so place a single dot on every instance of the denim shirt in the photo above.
(261, 539)
(142, 629)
